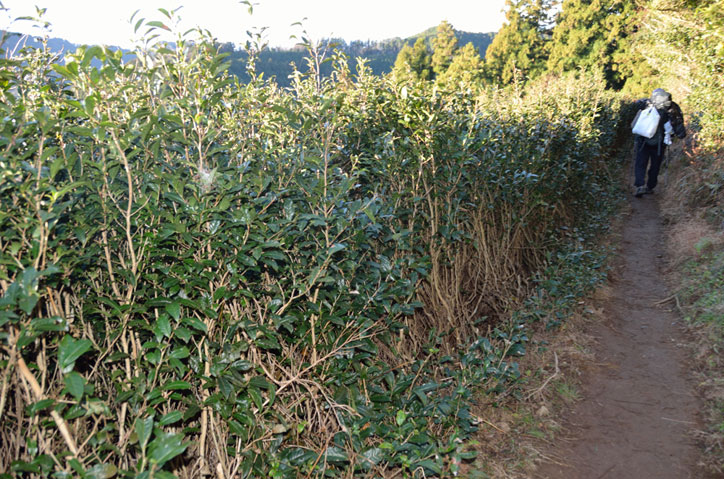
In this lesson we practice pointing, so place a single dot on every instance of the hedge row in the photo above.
(206, 277)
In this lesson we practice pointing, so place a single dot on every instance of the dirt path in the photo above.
(639, 408)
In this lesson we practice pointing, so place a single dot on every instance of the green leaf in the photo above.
(256, 397)
(165, 447)
(183, 333)
(74, 412)
(163, 326)
(260, 382)
(56, 323)
(335, 454)
(157, 24)
(174, 310)
(61, 70)
(180, 353)
(69, 350)
(430, 465)
(75, 383)
(380, 398)
(372, 457)
(154, 356)
(225, 203)
(370, 215)
(89, 105)
(170, 418)
(400, 417)
(468, 455)
(191, 412)
(41, 405)
(56, 166)
(90, 52)
(336, 247)
(143, 428)
(267, 342)
(176, 385)
(163, 475)
(195, 323)
(101, 471)
(138, 24)
(77, 466)
(298, 456)
(225, 386)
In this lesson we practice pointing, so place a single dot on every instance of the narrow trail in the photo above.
(639, 408)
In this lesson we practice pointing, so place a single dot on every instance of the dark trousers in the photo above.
(648, 156)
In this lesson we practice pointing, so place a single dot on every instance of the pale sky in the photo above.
(107, 21)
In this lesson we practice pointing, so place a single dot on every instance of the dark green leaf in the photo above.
(430, 465)
(256, 397)
(372, 457)
(75, 383)
(335, 454)
(165, 447)
(69, 350)
(176, 385)
(163, 326)
(41, 405)
(56, 323)
(195, 323)
(170, 418)
(174, 310)
(180, 353)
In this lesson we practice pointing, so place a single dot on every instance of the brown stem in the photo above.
(38, 393)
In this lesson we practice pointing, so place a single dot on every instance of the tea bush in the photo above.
(206, 277)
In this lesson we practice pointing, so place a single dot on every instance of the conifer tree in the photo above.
(444, 46)
(519, 49)
(466, 68)
(414, 60)
(595, 34)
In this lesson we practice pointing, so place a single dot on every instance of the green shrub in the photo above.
(201, 276)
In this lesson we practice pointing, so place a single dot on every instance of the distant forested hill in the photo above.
(12, 42)
(380, 56)
(277, 62)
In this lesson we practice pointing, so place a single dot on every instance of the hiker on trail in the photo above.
(651, 137)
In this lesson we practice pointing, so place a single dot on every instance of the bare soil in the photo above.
(639, 411)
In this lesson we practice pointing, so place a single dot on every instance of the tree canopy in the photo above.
(414, 60)
(595, 35)
(466, 67)
(520, 49)
(444, 46)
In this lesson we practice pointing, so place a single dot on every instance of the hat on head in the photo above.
(660, 98)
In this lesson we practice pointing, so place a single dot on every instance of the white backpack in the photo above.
(646, 122)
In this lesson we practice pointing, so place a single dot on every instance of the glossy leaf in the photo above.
(69, 350)
(165, 447)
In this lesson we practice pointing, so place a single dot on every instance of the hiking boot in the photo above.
(649, 191)
(640, 191)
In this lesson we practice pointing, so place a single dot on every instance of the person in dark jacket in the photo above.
(650, 151)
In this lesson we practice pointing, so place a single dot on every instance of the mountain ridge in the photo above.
(279, 62)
